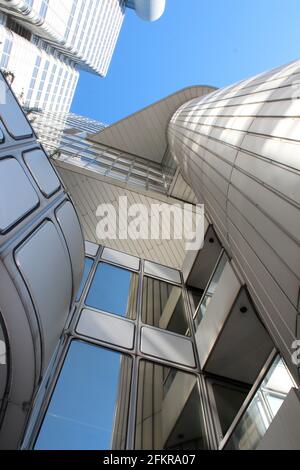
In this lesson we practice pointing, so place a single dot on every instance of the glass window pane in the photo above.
(210, 290)
(169, 414)
(263, 408)
(195, 297)
(113, 290)
(88, 263)
(89, 407)
(163, 306)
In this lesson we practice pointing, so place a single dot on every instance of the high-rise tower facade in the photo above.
(45, 42)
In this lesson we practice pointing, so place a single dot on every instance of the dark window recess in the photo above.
(163, 306)
(18, 29)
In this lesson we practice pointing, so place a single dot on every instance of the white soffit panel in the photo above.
(163, 272)
(107, 328)
(123, 259)
(89, 191)
(144, 132)
(170, 347)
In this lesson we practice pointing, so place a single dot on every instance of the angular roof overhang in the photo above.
(144, 133)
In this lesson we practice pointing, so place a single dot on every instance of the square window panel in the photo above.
(113, 290)
(163, 306)
(169, 413)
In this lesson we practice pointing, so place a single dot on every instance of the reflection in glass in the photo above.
(113, 290)
(228, 399)
(89, 407)
(163, 306)
(88, 263)
(263, 408)
(169, 414)
(210, 290)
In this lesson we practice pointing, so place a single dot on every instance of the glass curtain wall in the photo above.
(112, 395)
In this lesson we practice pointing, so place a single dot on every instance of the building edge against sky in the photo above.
(44, 44)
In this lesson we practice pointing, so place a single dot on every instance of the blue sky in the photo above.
(195, 42)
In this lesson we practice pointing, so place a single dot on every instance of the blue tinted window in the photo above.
(89, 404)
(113, 290)
(88, 262)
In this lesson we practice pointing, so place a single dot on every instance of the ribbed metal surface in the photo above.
(88, 190)
(239, 150)
(144, 132)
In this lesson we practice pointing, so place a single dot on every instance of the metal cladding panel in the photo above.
(239, 148)
(48, 277)
(107, 328)
(42, 171)
(174, 348)
(163, 272)
(18, 199)
(91, 249)
(36, 294)
(70, 227)
(22, 362)
(123, 259)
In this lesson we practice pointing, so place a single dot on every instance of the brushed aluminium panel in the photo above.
(17, 195)
(69, 223)
(107, 328)
(42, 171)
(123, 259)
(91, 249)
(47, 274)
(163, 272)
(170, 347)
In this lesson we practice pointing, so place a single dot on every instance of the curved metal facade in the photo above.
(239, 150)
(41, 265)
